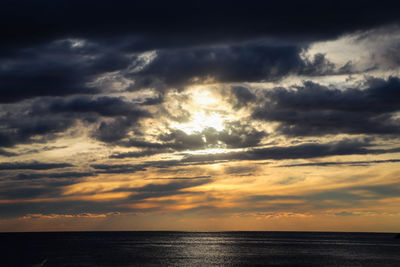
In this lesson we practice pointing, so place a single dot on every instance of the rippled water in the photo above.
(199, 249)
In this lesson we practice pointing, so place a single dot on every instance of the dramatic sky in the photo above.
(201, 116)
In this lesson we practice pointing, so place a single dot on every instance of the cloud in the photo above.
(103, 106)
(21, 128)
(335, 163)
(242, 96)
(139, 154)
(27, 192)
(303, 151)
(46, 117)
(251, 62)
(163, 190)
(34, 165)
(181, 178)
(7, 153)
(57, 175)
(184, 22)
(314, 110)
(350, 196)
(19, 209)
(118, 168)
(52, 69)
(291, 180)
(234, 135)
(120, 76)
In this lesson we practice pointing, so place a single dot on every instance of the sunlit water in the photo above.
(199, 249)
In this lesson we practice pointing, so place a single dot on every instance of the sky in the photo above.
(199, 116)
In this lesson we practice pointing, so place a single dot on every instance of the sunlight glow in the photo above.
(201, 120)
(204, 108)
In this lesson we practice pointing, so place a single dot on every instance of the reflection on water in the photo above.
(199, 249)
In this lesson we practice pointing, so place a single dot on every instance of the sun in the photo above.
(201, 120)
(206, 110)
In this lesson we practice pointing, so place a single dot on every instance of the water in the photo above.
(199, 249)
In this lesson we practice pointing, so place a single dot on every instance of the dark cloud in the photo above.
(69, 207)
(103, 106)
(113, 131)
(240, 135)
(118, 168)
(242, 96)
(313, 109)
(20, 128)
(303, 151)
(57, 175)
(54, 69)
(335, 163)
(125, 114)
(181, 178)
(176, 23)
(139, 154)
(153, 100)
(234, 135)
(163, 190)
(32, 165)
(180, 140)
(27, 192)
(251, 62)
(47, 117)
(351, 196)
(7, 153)
(319, 65)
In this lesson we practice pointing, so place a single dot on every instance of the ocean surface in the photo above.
(199, 249)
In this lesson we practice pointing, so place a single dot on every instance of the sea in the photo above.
(199, 249)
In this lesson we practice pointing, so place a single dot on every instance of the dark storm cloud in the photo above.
(235, 135)
(180, 140)
(104, 106)
(47, 117)
(313, 109)
(240, 135)
(169, 24)
(126, 114)
(20, 127)
(242, 96)
(251, 62)
(32, 165)
(113, 131)
(57, 68)
(248, 62)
